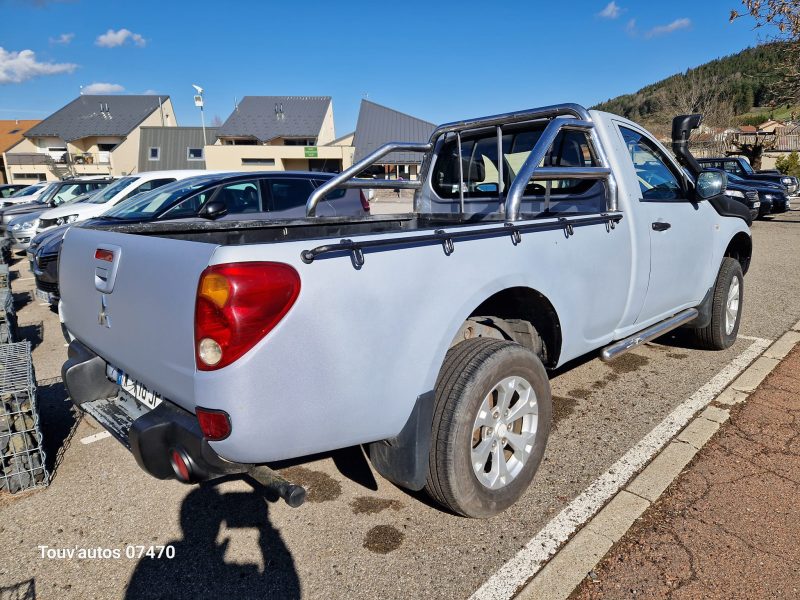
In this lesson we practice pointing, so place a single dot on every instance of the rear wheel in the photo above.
(726, 308)
(490, 427)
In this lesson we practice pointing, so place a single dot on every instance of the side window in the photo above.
(240, 197)
(147, 186)
(732, 166)
(656, 180)
(189, 207)
(289, 193)
(335, 194)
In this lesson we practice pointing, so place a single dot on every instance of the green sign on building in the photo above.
(311, 151)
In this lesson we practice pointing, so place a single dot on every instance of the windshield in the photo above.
(44, 197)
(31, 189)
(746, 166)
(111, 191)
(152, 204)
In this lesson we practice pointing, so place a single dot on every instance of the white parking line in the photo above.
(95, 438)
(510, 578)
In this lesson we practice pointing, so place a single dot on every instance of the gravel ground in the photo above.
(358, 536)
(728, 526)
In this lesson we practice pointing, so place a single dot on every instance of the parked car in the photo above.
(54, 195)
(748, 196)
(21, 229)
(122, 189)
(27, 194)
(738, 165)
(214, 347)
(8, 190)
(224, 196)
(772, 195)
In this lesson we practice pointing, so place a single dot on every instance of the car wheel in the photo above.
(726, 308)
(490, 426)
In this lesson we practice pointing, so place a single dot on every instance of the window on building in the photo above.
(195, 154)
(106, 147)
(154, 153)
(268, 162)
(299, 142)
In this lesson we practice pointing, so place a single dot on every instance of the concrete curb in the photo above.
(570, 565)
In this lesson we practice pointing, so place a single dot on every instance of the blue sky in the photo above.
(439, 61)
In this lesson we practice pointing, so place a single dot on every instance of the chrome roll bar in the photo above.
(531, 169)
(545, 112)
(346, 177)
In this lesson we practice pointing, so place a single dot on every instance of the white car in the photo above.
(27, 194)
(122, 189)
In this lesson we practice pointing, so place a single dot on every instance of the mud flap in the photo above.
(403, 459)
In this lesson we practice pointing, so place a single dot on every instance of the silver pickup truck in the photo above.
(537, 236)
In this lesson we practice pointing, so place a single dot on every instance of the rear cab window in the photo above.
(483, 179)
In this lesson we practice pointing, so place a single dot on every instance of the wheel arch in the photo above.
(740, 248)
(528, 304)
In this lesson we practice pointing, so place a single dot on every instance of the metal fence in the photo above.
(22, 459)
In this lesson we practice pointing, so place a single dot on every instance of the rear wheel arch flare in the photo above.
(529, 305)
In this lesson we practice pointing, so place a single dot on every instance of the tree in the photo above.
(753, 146)
(784, 17)
(790, 164)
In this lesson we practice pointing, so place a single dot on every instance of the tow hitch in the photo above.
(294, 495)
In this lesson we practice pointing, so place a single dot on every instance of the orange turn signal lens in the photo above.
(216, 288)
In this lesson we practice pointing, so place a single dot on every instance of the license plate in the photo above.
(42, 296)
(148, 398)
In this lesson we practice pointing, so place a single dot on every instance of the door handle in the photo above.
(661, 226)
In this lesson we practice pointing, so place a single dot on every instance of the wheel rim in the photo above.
(504, 432)
(732, 306)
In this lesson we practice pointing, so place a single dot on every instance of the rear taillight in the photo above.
(215, 424)
(237, 305)
(364, 202)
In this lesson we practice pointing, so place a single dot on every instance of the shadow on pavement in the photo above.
(25, 590)
(57, 420)
(199, 568)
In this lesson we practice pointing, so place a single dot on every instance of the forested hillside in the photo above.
(722, 88)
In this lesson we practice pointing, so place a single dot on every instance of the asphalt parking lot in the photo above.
(358, 536)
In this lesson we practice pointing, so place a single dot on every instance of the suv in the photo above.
(738, 165)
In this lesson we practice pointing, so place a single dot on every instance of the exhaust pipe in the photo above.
(294, 495)
(682, 127)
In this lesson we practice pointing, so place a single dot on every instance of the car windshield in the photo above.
(111, 191)
(152, 204)
(746, 166)
(31, 189)
(44, 197)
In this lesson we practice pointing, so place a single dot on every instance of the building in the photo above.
(280, 133)
(11, 133)
(378, 125)
(92, 135)
(167, 148)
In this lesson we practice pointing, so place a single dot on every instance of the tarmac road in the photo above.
(357, 536)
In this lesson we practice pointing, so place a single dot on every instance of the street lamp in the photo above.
(198, 101)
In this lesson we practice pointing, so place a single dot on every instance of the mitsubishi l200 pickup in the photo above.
(537, 236)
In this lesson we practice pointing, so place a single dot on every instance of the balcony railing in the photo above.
(64, 158)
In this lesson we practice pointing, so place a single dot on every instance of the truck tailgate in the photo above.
(149, 324)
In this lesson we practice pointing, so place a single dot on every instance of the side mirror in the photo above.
(214, 210)
(710, 183)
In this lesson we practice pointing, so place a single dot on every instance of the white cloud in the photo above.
(102, 88)
(16, 67)
(611, 11)
(112, 38)
(150, 92)
(631, 28)
(64, 38)
(669, 28)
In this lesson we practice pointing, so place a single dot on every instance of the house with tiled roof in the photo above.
(92, 135)
(11, 132)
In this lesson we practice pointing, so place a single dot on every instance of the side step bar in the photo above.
(612, 351)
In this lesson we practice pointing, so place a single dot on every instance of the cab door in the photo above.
(679, 229)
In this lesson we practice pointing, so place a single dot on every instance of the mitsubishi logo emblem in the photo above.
(104, 318)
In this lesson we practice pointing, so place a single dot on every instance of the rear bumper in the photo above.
(150, 435)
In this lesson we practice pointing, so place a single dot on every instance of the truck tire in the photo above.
(726, 308)
(491, 422)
